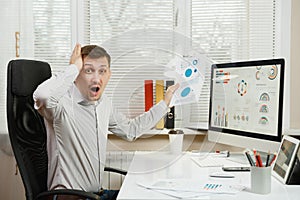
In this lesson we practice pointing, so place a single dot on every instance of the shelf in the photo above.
(165, 131)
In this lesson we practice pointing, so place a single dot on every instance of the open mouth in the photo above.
(95, 89)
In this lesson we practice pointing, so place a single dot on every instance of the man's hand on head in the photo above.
(76, 57)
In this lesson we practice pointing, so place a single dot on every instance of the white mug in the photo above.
(176, 141)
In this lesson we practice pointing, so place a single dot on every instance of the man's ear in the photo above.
(109, 73)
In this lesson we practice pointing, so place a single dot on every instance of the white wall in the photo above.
(295, 66)
(11, 186)
(9, 21)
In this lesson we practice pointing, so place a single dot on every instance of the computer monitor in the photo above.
(246, 104)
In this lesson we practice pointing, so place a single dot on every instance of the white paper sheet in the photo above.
(189, 72)
(187, 188)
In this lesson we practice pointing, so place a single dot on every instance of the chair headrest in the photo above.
(27, 75)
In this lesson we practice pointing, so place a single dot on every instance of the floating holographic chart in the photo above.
(189, 72)
(185, 93)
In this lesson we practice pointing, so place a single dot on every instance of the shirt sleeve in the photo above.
(130, 129)
(48, 93)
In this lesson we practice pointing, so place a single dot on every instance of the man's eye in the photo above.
(88, 71)
(102, 71)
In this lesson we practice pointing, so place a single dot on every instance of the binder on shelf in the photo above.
(159, 92)
(170, 117)
(148, 87)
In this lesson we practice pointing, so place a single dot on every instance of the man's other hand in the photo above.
(170, 92)
(76, 57)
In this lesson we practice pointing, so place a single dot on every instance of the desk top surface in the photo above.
(148, 167)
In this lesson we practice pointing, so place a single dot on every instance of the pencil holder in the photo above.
(261, 179)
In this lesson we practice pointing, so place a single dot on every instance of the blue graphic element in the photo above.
(195, 70)
(188, 72)
(185, 91)
(195, 62)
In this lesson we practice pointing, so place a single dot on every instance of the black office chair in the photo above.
(28, 134)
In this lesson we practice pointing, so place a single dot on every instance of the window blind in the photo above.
(52, 32)
(45, 23)
(138, 36)
(232, 30)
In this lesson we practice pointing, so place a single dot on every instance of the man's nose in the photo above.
(97, 77)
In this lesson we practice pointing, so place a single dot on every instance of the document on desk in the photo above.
(187, 188)
(214, 160)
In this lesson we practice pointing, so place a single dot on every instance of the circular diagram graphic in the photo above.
(257, 75)
(242, 87)
(264, 97)
(188, 72)
(195, 62)
(263, 120)
(185, 92)
(273, 72)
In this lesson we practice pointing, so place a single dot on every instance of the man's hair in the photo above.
(94, 51)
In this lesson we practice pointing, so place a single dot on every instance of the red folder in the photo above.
(148, 86)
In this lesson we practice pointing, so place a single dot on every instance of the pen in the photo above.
(258, 159)
(267, 161)
(249, 159)
(274, 156)
(254, 152)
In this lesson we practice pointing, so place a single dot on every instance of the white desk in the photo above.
(147, 167)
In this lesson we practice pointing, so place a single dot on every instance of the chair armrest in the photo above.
(76, 193)
(67, 192)
(119, 171)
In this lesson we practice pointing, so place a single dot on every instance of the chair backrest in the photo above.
(25, 126)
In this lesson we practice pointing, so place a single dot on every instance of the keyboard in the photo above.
(215, 161)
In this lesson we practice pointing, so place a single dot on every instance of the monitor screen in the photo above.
(246, 103)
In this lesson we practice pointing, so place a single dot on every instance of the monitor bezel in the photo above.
(278, 136)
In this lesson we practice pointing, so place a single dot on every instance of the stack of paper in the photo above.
(187, 188)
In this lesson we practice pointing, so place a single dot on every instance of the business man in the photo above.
(78, 116)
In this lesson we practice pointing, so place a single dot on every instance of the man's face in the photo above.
(93, 77)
